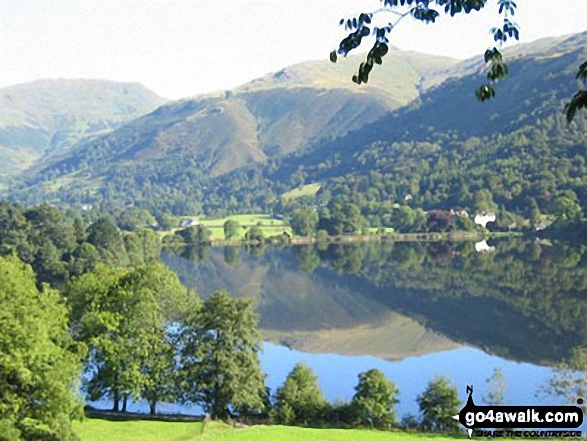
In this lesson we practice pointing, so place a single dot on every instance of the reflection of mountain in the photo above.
(313, 313)
(522, 301)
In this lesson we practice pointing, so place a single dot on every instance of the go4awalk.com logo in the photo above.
(504, 420)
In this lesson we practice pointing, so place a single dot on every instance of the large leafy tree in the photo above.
(39, 366)
(128, 319)
(106, 238)
(378, 25)
(438, 403)
(219, 350)
(300, 399)
(304, 221)
(375, 399)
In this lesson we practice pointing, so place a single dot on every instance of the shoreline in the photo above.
(364, 238)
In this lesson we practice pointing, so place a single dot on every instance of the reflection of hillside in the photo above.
(523, 301)
(319, 313)
(393, 338)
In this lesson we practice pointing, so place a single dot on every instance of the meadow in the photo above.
(268, 224)
(103, 430)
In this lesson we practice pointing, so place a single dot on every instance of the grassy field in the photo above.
(268, 224)
(306, 190)
(101, 430)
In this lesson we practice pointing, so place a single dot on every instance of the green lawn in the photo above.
(101, 430)
(269, 225)
(306, 190)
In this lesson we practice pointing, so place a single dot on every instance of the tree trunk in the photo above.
(153, 406)
(124, 400)
(116, 399)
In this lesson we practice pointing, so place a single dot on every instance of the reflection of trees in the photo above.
(232, 255)
(533, 294)
(307, 258)
(569, 381)
(196, 253)
(256, 250)
(526, 300)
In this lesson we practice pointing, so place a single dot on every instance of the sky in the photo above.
(182, 48)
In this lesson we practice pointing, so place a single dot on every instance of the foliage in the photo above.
(219, 349)
(304, 221)
(126, 318)
(375, 399)
(231, 228)
(59, 245)
(39, 365)
(438, 403)
(254, 234)
(428, 11)
(300, 400)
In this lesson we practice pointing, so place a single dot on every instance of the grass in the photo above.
(102, 430)
(305, 190)
(268, 224)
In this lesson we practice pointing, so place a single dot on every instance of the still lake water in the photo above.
(412, 310)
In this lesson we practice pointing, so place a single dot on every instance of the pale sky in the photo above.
(181, 48)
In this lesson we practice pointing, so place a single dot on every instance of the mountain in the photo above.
(44, 117)
(270, 117)
(425, 135)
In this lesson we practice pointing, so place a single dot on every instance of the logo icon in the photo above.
(474, 417)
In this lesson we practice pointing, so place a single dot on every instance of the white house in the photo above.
(483, 218)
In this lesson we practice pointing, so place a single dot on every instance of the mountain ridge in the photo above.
(43, 117)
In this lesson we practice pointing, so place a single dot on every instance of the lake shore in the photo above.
(367, 238)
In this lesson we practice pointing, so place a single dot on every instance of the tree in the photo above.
(83, 259)
(195, 235)
(567, 209)
(127, 320)
(166, 221)
(231, 228)
(438, 403)
(219, 349)
(300, 399)
(375, 399)
(255, 234)
(105, 237)
(163, 301)
(38, 360)
(304, 221)
(428, 11)
(496, 388)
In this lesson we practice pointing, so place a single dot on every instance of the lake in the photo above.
(412, 310)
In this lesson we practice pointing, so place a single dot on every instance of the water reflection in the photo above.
(524, 301)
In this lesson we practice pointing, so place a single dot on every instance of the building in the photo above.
(483, 218)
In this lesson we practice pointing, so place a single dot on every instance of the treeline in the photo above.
(59, 245)
(299, 401)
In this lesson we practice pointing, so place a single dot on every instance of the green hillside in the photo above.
(46, 117)
(212, 135)
(242, 151)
